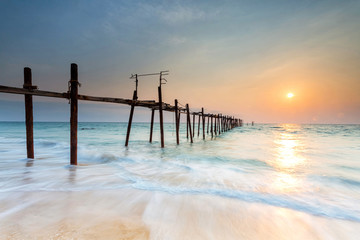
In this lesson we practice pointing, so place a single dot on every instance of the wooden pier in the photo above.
(218, 123)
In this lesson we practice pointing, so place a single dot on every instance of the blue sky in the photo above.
(235, 57)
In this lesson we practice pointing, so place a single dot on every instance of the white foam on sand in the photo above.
(134, 214)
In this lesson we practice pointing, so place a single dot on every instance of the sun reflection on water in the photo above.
(289, 159)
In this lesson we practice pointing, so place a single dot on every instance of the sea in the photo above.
(267, 181)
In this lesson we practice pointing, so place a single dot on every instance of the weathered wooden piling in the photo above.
(189, 122)
(208, 124)
(193, 125)
(187, 127)
(199, 125)
(29, 114)
(203, 122)
(177, 122)
(74, 84)
(222, 123)
(211, 129)
(219, 125)
(161, 116)
(215, 120)
(130, 118)
(227, 123)
(152, 124)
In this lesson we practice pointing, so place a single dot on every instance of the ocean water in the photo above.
(268, 181)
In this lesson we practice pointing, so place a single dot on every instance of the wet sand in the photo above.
(133, 214)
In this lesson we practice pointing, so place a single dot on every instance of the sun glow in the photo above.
(290, 95)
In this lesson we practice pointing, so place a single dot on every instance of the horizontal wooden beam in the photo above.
(142, 103)
(34, 92)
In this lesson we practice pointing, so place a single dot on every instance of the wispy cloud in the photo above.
(176, 40)
(174, 14)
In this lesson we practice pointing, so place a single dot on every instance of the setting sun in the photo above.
(290, 95)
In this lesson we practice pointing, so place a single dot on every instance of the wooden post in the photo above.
(152, 124)
(199, 125)
(29, 114)
(222, 123)
(130, 118)
(74, 84)
(203, 122)
(227, 123)
(215, 119)
(177, 122)
(189, 122)
(220, 127)
(219, 124)
(187, 128)
(193, 129)
(208, 124)
(211, 130)
(161, 118)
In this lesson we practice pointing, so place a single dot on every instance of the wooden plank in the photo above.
(29, 114)
(74, 84)
(34, 92)
(141, 103)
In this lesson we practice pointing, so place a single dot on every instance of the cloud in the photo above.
(175, 14)
(176, 40)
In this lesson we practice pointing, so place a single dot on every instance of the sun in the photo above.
(290, 95)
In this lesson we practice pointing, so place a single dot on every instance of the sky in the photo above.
(238, 58)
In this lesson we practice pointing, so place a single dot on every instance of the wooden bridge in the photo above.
(218, 123)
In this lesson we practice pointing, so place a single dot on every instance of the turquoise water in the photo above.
(308, 173)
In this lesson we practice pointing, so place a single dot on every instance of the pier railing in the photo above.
(218, 123)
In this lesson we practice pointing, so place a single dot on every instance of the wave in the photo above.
(338, 180)
(313, 208)
(297, 203)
